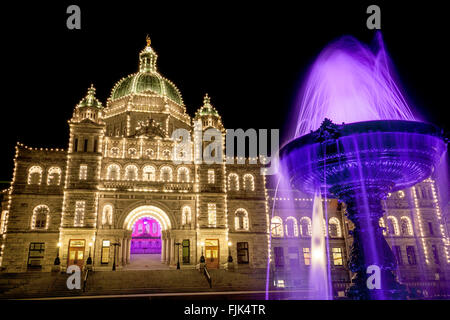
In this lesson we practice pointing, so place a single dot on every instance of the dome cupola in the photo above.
(147, 81)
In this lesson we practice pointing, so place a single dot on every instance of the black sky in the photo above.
(249, 57)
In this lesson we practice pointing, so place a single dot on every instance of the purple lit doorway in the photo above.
(146, 237)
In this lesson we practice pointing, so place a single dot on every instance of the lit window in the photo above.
(41, 216)
(183, 174)
(79, 213)
(233, 182)
(35, 175)
(392, 227)
(307, 256)
(291, 227)
(106, 245)
(305, 226)
(337, 256)
(83, 172)
(54, 176)
(166, 174)
(280, 283)
(148, 173)
(249, 182)
(131, 172)
(241, 219)
(212, 214)
(334, 227)
(406, 226)
(113, 172)
(401, 194)
(211, 176)
(277, 227)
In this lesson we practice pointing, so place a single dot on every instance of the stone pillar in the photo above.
(124, 251)
(163, 250)
(128, 250)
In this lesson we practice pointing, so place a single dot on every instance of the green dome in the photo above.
(147, 80)
(146, 83)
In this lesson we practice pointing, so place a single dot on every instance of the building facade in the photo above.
(122, 187)
(122, 167)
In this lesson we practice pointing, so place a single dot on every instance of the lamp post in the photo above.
(115, 244)
(178, 254)
(57, 260)
(230, 258)
(89, 259)
(202, 257)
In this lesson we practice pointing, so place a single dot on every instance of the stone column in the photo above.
(128, 250)
(163, 250)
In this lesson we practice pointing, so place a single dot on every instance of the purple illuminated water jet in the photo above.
(350, 82)
(381, 149)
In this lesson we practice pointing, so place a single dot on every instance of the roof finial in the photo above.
(147, 38)
(206, 100)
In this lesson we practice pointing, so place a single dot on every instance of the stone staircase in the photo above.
(136, 282)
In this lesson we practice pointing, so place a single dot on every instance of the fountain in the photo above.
(381, 151)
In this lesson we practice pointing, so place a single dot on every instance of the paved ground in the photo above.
(146, 262)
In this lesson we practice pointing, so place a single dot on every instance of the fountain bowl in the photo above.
(381, 156)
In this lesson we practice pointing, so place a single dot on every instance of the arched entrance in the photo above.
(147, 247)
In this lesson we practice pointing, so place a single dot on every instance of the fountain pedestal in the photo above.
(359, 163)
(370, 248)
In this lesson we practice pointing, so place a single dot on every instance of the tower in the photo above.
(212, 221)
(79, 212)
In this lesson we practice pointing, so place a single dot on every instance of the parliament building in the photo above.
(116, 192)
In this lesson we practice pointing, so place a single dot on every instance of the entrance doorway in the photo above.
(146, 237)
(76, 253)
(145, 248)
(212, 253)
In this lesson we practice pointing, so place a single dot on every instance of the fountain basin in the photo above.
(382, 156)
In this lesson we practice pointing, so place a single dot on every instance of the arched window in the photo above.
(233, 182)
(149, 173)
(166, 174)
(186, 216)
(334, 228)
(131, 172)
(277, 227)
(54, 176)
(382, 225)
(35, 175)
(41, 217)
(183, 174)
(249, 182)
(392, 225)
(113, 172)
(305, 226)
(406, 226)
(107, 215)
(291, 227)
(241, 219)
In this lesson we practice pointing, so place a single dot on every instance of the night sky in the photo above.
(250, 58)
